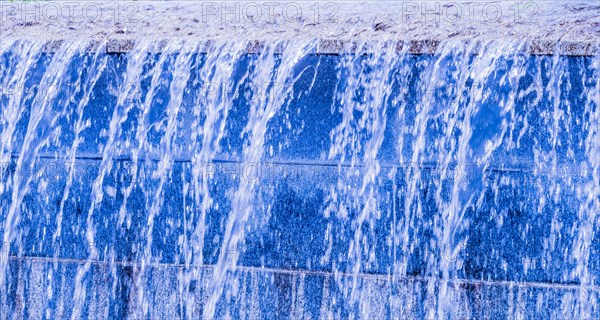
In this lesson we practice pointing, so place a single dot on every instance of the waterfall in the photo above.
(243, 179)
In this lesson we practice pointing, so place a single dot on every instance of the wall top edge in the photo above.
(334, 46)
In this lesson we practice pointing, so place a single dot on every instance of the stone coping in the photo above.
(335, 47)
(418, 27)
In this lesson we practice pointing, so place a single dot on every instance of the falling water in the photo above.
(229, 179)
(365, 88)
(273, 79)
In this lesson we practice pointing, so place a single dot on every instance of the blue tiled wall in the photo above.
(287, 227)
